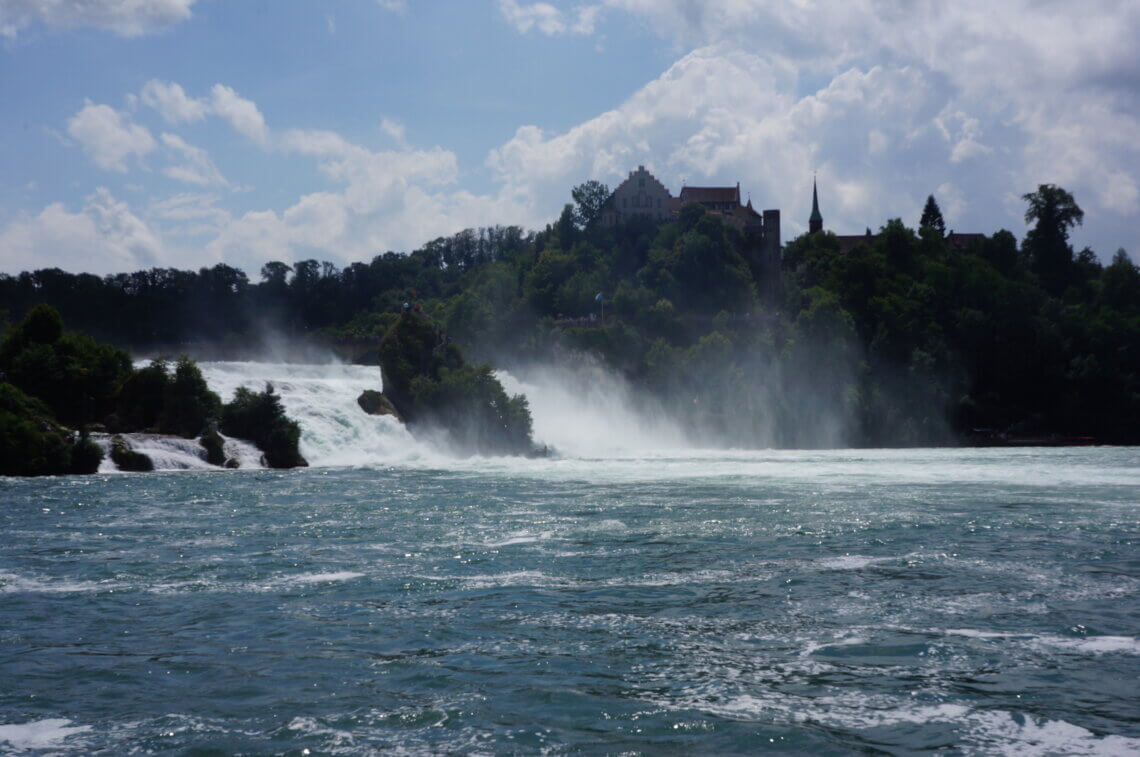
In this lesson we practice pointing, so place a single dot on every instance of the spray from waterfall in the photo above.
(581, 409)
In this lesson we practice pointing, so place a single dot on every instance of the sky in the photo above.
(186, 133)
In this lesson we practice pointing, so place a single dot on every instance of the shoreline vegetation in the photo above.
(904, 339)
(55, 381)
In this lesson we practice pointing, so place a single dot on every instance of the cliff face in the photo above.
(428, 382)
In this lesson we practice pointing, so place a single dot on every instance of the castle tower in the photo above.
(815, 223)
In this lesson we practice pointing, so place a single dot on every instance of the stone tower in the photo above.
(815, 223)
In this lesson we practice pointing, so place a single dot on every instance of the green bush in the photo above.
(31, 443)
(141, 398)
(214, 445)
(260, 418)
(127, 459)
(429, 383)
(86, 455)
(188, 405)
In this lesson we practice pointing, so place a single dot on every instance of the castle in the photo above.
(641, 194)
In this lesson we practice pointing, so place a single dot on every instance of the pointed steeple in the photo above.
(815, 223)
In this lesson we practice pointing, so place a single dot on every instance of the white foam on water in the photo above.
(51, 733)
(13, 583)
(1094, 645)
(812, 647)
(849, 562)
(1001, 732)
(317, 578)
(512, 578)
(520, 537)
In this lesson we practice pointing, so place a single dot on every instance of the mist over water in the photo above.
(583, 410)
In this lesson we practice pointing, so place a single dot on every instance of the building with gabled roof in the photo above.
(642, 195)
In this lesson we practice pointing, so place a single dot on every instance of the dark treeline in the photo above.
(907, 338)
(164, 307)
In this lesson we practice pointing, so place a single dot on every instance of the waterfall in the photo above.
(581, 409)
(174, 453)
(578, 411)
(322, 399)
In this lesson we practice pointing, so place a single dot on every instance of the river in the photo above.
(631, 596)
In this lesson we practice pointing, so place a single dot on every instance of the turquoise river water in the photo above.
(672, 601)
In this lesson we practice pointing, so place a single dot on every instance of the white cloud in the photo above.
(104, 237)
(175, 106)
(172, 103)
(396, 130)
(189, 214)
(548, 19)
(128, 18)
(887, 102)
(108, 137)
(1046, 91)
(902, 99)
(388, 200)
(397, 6)
(240, 113)
(197, 168)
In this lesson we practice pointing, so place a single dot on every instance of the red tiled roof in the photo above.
(710, 194)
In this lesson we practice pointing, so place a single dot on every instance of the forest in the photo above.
(903, 340)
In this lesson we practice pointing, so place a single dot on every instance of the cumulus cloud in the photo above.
(240, 113)
(195, 166)
(548, 19)
(175, 107)
(108, 136)
(887, 102)
(386, 200)
(128, 18)
(172, 103)
(105, 236)
(188, 214)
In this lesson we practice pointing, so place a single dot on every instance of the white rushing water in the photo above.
(322, 399)
(579, 412)
(169, 453)
(590, 421)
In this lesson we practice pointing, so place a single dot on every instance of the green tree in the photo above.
(589, 197)
(1053, 211)
(932, 216)
(76, 376)
(188, 404)
(1120, 288)
(260, 418)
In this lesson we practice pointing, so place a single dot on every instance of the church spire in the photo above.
(815, 223)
